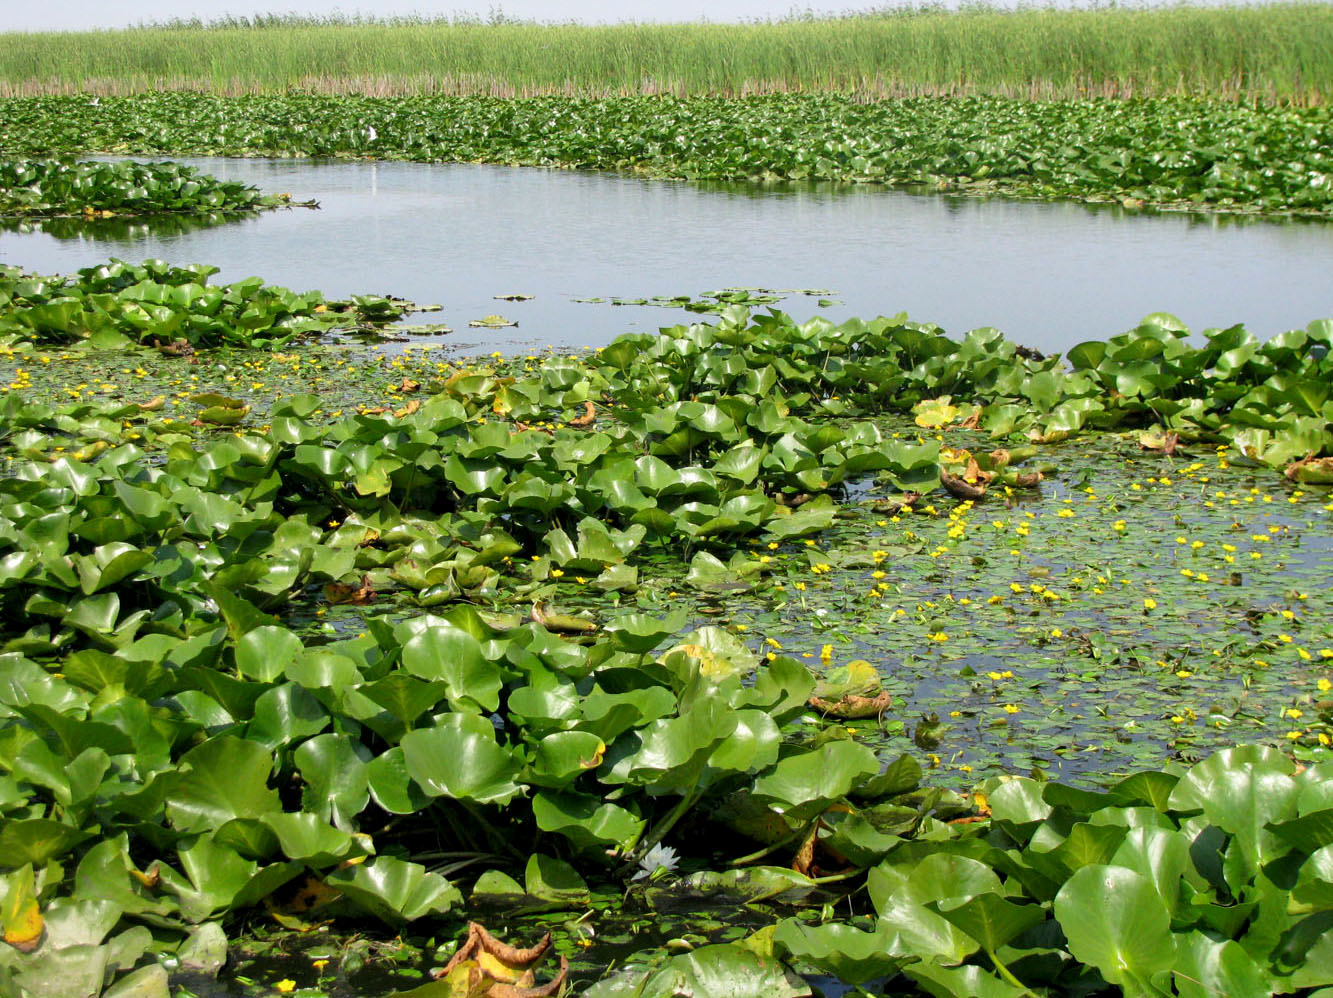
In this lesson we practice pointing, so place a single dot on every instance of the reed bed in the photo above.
(1281, 52)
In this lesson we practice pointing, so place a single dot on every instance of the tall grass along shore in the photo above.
(1281, 52)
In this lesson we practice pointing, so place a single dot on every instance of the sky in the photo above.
(77, 15)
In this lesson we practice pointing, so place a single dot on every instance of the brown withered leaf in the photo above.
(485, 967)
(960, 487)
(891, 507)
(1165, 443)
(344, 592)
(408, 385)
(853, 706)
(408, 409)
(1311, 470)
(587, 419)
(153, 404)
(804, 860)
(179, 347)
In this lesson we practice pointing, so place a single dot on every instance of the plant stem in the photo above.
(1007, 974)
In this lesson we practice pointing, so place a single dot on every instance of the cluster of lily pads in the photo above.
(1214, 880)
(1170, 152)
(119, 304)
(176, 750)
(48, 188)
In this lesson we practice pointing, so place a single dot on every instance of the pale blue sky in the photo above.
(78, 15)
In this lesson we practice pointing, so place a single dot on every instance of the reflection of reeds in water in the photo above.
(1282, 51)
(123, 229)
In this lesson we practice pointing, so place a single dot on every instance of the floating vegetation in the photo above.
(492, 322)
(53, 189)
(710, 301)
(173, 309)
(1170, 153)
(754, 610)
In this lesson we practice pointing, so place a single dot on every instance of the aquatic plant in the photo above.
(1177, 153)
(48, 188)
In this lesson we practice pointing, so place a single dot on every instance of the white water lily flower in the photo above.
(659, 857)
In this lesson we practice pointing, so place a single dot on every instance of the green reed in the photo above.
(1272, 52)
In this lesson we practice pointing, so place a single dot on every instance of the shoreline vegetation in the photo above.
(1167, 153)
(1281, 53)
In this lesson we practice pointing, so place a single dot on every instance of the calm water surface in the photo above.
(1048, 275)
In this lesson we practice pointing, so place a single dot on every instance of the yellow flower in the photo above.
(285, 986)
(1150, 604)
(1011, 708)
(556, 573)
(1324, 685)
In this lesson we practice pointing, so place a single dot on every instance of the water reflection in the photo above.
(120, 233)
(1048, 275)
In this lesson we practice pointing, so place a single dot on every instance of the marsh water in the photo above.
(1047, 275)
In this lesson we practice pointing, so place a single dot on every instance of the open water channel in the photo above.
(1048, 275)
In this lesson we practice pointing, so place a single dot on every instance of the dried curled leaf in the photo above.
(485, 967)
(176, 348)
(1311, 470)
(853, 706)
(1025, 480)
(587, 419)
(560, 622)
(1166, 443)
(344, 592)
(891, 507)
(960, 487)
